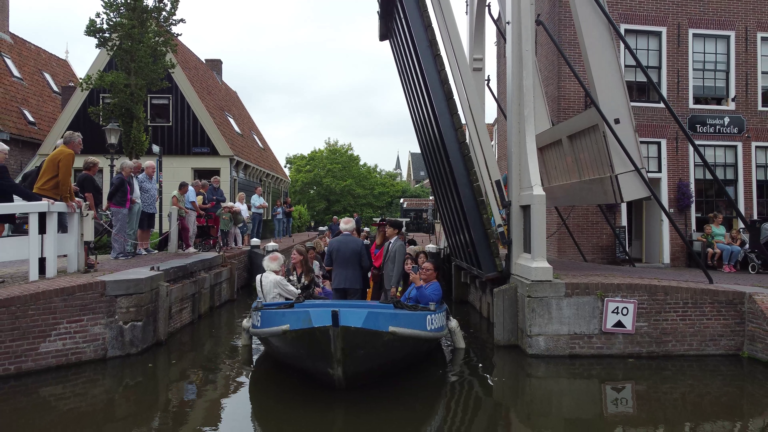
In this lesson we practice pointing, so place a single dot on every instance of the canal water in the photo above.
(201, 380)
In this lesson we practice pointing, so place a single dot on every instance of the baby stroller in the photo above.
(756, 229)
(205, 240)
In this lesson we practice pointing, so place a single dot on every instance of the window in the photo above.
(51, 83)
(764, 72)
(421, 172)
(105, 100)
(28, 117)
(651, 156)
(711, 68)
(159, 110)
(709, 198)
(495, 143)
(11, 66)
(761, 181)
(255, 137)
(648, 47)
(234, 125)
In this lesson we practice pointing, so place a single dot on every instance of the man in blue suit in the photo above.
(350, 261)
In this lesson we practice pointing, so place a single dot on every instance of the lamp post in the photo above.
(112, 131)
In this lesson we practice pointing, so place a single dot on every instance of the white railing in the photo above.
(53, 245)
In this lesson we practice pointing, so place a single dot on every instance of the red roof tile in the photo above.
(218, 98)
(418, 202)
(33, 93)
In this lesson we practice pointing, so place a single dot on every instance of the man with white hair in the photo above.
(55, 179)
(149, 198)
(349, 260)
(271, 286)
(134, 211)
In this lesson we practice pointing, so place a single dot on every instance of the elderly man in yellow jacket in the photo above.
(55, 179)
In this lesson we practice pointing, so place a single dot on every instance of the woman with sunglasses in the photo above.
(425, 288)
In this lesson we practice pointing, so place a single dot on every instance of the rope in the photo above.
(562, 224)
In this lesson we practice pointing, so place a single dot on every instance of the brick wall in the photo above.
(65, 324)
(757, 326)
(20, 154)
(670, 321)
(566, 99)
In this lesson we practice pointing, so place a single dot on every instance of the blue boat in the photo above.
(346, 343)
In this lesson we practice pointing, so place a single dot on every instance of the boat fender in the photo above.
(456, 335)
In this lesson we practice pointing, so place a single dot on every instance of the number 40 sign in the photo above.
(619, 316)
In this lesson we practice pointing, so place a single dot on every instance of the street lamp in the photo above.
(112, 131)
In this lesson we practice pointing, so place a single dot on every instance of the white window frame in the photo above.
(101, 104)
(663, 77)
(760, 37)
(12, 68)
(256, 137)
(731, 69)
(28, 117)
(496, 141)
(170, 106)
(755, 145)
(739, 163)
(51, 82)
(233, 122)
(662, 158)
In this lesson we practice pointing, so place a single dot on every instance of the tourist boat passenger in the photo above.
(429, 290)
(271, 286)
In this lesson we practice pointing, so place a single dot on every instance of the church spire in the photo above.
(397, 169)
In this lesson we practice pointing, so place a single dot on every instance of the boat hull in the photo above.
(354, 345)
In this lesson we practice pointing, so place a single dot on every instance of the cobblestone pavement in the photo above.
(15, 273)
(575, 271)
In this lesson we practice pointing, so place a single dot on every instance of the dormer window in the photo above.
(234, 125)
(257, 139)
(11, 66)
(159, 110)
(51, 83)
(28, 117)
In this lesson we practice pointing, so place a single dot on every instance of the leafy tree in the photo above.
(138, 35)
(332, 181)
(301, 219)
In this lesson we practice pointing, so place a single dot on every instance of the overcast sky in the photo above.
(306, 70)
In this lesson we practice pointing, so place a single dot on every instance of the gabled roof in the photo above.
(33, 93)
(219, 99)
(418, 167)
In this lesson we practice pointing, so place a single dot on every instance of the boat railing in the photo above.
(50, 246)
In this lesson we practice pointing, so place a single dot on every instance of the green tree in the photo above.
(332, 181)
(138, 35)
(301, 219)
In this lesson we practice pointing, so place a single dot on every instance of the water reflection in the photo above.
(199, 381)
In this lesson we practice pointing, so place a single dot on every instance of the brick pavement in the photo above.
(575, 271)
(15, 272)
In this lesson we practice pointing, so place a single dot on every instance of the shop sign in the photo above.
(717, 124)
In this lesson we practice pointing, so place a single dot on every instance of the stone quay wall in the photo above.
(74, 320)
(565, 318)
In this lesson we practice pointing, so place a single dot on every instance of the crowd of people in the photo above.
(344, 264)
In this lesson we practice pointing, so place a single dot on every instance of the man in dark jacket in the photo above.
(215, 198)
(349, 260)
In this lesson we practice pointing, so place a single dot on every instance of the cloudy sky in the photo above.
(306, 70)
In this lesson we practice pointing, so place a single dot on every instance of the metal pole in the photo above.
(160, 187)
(616, 235)
(496, 23)
(488, 85)
(608, 125)
(111, 166)
(567, 228)
(679, 122)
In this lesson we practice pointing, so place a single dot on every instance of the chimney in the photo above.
(66, 92)
(213, 64)
(5, 20)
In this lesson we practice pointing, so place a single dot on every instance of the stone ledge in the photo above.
(131, 282)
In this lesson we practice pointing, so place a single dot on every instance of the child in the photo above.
(712, 249)
(225, 224)
(736, 240)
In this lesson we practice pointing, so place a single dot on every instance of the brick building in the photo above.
(709, 66)
(32, 82)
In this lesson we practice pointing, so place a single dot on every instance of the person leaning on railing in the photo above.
(55, 179)
(9, 188)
